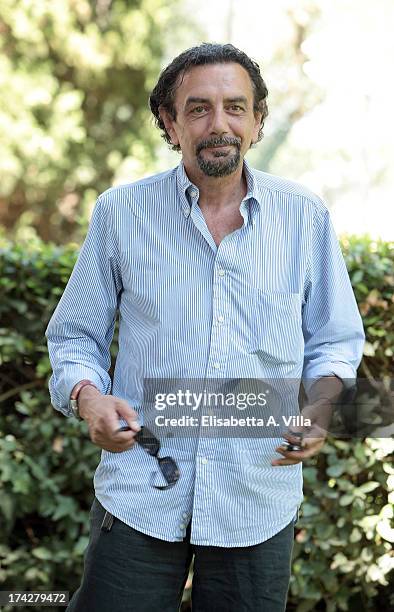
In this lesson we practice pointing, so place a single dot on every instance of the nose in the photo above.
(219, 123)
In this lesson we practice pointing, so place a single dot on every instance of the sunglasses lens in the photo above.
(169, 469)
(167, 465)
(147, 440)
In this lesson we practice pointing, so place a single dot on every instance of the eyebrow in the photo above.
(194, 100)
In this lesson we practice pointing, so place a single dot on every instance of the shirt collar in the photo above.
(188, 192)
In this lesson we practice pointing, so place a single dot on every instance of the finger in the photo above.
(124, 434)
(124, 428)
(307, 446)
(132, 426)
(135, 426)
(121, 443)
(290, 457)
(307, 452)
(292, 454)
(293, 438)
(306, 441)
(125, 411)
(114, 447)
(118, 449)
(275, 462)
(291, 442)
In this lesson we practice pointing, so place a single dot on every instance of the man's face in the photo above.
(215, 122)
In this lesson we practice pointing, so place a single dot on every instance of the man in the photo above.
(219, 271)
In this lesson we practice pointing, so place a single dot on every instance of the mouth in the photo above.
(218, 147)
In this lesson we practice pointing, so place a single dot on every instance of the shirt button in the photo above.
(216, 365)
(184, 515)
(220, 319)
(221, 272)
(193, 193)
(204, 460)
(182, 525)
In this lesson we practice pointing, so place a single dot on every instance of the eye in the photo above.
(236, 108)
(198, 110)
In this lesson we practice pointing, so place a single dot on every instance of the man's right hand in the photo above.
(102, 412)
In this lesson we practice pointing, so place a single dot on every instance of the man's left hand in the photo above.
(319, 414)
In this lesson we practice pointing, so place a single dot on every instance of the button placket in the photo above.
(220, 321)
(216, 368)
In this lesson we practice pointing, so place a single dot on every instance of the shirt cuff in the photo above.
(60, 391)
(344, 371)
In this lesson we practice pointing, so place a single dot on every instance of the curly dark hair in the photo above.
(170, 78)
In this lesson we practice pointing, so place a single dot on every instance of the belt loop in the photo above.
(108, 521)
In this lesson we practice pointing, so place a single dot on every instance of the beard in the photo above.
(224, 163)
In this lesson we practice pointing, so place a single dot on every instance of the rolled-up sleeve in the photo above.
(332, 326)
(80, 331)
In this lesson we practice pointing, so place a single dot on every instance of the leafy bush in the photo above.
(343, 549)
(342, 556)
(370, 264)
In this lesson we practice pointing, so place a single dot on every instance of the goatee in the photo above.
(226, 163)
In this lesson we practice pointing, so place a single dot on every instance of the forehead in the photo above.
(214, 80)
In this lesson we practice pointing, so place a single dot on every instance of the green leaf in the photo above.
(81, 545)
(309, 510)
(66, 506)
(306, 606)
(42, 553)
(367, 487)
(336, 470)
(357, 277)
(7, 506)
(346, 500)
(21, 483)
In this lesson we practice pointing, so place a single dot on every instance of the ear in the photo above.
(169, 125)
(257, 125)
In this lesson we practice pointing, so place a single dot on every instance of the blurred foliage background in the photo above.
(75, 76)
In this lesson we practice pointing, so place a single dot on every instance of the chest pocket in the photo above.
(277, 328)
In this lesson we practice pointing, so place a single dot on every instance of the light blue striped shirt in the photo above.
(272, 301)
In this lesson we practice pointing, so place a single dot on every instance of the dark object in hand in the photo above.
(151, 445)
(291, 446)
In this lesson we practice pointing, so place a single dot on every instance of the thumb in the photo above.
(128, 414)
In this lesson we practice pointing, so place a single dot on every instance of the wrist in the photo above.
(322, 401)
(327, 388)
(85, 395)
(76, 393)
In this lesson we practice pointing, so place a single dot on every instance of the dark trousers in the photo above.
(128, 571)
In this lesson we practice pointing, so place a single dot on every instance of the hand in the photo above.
(319, 414)
(102, 412)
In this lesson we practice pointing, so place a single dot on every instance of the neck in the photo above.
(219, 193)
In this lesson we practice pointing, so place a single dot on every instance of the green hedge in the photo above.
(342, 553)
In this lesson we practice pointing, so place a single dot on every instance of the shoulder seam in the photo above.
(143, 182)
(315, 200)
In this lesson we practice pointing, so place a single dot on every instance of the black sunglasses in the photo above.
(151, 445)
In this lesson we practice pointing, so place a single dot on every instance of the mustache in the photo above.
(217, 142)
